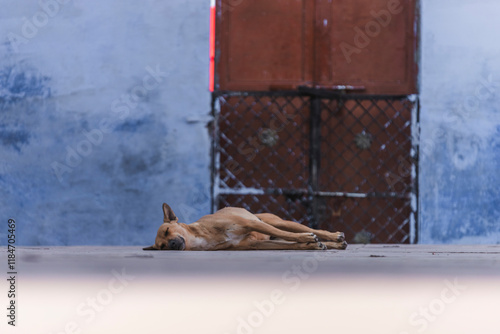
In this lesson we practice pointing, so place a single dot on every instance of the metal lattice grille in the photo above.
(384, 127)
(336, 162)
(263, 142)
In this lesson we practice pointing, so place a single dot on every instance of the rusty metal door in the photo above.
(313, 126)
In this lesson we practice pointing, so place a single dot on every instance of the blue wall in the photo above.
(91, 143)
(103, 112)
(460, 122)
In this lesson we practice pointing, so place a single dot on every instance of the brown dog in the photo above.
(238, 229)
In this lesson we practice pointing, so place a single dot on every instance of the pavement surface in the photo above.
(398, 289)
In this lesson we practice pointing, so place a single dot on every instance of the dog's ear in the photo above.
(168, 214)
(149, 248)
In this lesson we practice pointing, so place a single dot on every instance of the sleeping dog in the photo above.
(238, 229)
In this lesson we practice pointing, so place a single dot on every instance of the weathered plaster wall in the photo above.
(460, 122)
(89, 149)
(103, 112)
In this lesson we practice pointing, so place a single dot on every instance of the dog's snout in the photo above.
(176, 244)
(173, 244)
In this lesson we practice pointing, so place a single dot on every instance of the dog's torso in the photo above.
(225, 229)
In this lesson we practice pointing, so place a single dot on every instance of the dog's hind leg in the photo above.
(262, 227)
(290, 226)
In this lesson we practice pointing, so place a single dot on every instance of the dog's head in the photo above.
(169, 236)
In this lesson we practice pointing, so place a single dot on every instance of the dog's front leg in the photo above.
(335, 245)
(280, 245)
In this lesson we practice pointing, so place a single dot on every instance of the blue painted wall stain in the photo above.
(14, 138)
(18, 82)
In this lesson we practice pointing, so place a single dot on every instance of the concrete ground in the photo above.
(365, 289)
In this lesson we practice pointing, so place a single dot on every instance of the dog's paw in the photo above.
(340, 236)
(332, 236)
(308, 237)
(317, 245)
(340, 245)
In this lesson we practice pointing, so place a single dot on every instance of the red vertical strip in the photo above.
(212, 49)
